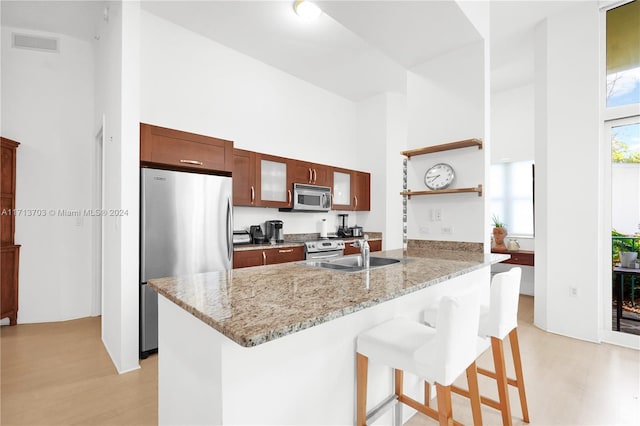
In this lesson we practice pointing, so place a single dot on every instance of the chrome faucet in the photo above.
(364, 250)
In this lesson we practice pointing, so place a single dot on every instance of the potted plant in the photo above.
(623, 248)
(499, 233)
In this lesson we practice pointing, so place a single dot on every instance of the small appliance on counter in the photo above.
(356, 231)
(343, 227)
(274, 231)
(241, 237)
(257, 237)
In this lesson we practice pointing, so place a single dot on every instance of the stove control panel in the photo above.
(324, 245)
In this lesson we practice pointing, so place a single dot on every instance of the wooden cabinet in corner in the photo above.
(10, 256)
(175, 149)
(351, 190)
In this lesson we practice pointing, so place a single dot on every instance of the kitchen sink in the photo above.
(352, 263)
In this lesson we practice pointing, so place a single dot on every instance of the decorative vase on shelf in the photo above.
(628, 259)
(513, 245)
(499, 234)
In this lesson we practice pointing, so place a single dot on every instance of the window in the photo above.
(622, 126)
(623, 55)
(512, 196)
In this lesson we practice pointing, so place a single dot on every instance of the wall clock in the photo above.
(439, 176)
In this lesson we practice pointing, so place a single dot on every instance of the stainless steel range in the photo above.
(323, 249)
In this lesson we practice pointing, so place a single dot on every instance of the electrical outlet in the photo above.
(447, 229)
(573, 291)
(438, 215)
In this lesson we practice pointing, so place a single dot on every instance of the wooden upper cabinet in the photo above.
(323, 175)
(272, 189)
(299, 172)
(308, 173)
(361, 182)
(262, 180)
(183, 150)
(351, 190)
(342, 189)
(244, 178)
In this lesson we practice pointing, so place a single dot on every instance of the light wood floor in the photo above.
(60, 374)
(568, 381)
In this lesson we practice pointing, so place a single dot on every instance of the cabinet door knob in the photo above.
(355, 198)
(289, 196)
(310, 175)
(285, 251)
(315, 175)
(253, 194)
(264, 258)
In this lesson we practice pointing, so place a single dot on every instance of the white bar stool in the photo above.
(497, 321)
(437, 355)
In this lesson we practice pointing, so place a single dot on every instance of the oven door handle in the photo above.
(328, 256)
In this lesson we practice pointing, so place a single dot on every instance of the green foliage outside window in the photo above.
(620, 153)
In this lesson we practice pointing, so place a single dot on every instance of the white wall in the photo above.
(567, 126)
(117, 94)
(512, 139)
(446, 103)
(194, 84)
(512, 124)
(47, 106)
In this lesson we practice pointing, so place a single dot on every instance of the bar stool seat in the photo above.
(438, 355)
(497, 321)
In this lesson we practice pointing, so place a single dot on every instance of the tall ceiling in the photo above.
(355, 48)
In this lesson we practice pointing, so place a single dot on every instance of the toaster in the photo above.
(241, 237)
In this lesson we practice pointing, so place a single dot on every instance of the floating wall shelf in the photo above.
(409, 193)
(444, 147)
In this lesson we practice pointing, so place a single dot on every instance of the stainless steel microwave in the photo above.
(310, 198)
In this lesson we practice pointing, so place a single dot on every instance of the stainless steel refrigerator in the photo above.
(186, 228)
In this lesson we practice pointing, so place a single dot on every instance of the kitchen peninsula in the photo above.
(276, 344)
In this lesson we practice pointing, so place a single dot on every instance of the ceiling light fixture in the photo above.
(306, 10)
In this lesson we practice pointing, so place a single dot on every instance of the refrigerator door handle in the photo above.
(229, 231)
(143, 251)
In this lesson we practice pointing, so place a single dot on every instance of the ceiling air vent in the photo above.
(44, 44)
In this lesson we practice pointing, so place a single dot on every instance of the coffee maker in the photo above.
(343, 227)
(275, 233)
(257, 237)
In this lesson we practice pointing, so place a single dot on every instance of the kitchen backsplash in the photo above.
(294, 223)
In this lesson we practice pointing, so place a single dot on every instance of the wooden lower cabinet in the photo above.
(521, 257)
(9, 260)
(259, 257)
(271, 256)
(374, 245)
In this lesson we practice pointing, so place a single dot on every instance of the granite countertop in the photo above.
(255, 305)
